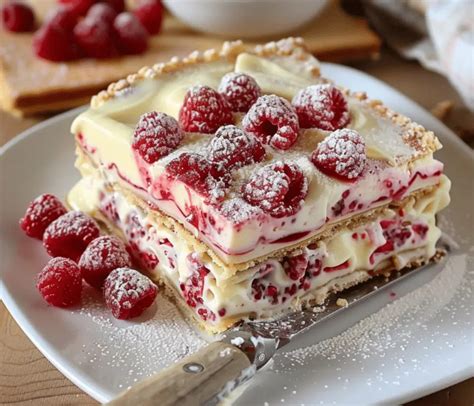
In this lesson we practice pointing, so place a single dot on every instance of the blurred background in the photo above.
(55, 54)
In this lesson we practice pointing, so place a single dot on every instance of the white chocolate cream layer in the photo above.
(393, 240)
(237, 236)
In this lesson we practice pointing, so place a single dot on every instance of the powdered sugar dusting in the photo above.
(342, 152)
(397, 325)
(321, 106)
(238, 210)
(273, 120)
(105, 252)
(240, 90)
(136, 349)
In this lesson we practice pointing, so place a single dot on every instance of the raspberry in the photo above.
(55, 40)
(150, 14)
(60, 282)
(79, 7)
(233, 148)
(95, 37)
(273, 120)
(199, 174)
(278, 189)
(69, 235)
(101, 257)
(117, 5)
(131, 36)
(341, 155)
(204, 110)
(321, 106)
(40, 213)
(295, 267)
(128, 293)
(104, 12)
(240, 90)
(62, 17)
(156, 135)
(18, 17)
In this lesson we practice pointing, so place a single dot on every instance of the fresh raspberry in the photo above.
(55, 40)
(40, 213)
(128, 293)
(18, 17)
(104, 12)
(156, 135)
(150, 14)
(240, 90)
(321, 106)
(117, 5)
(200, 175)
(204, 110)
(341, 155)
(295, 267)
(132, 38)
(273, 120)
(79, 7)
(95, 37)
(60, 282)
(101, 257)
(63, 18)
(278, 189)
(233, 148)
(69, 235)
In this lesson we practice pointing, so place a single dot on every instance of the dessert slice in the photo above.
(249, 185)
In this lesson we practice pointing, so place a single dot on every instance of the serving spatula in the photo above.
(208, 376)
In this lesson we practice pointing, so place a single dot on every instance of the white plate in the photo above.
(415, 345)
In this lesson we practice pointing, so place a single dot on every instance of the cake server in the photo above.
(209, 375)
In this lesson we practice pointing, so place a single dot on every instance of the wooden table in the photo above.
(27, 378)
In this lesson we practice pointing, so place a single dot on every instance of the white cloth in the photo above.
(451, 27)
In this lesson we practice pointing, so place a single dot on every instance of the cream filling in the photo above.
(106, 134)
(412, 232)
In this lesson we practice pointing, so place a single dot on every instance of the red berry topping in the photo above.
(40, 213)
(194, 286)
(104, 12)
(60, 282)
(273, 120)
(79, 7)
(62, 17)
(95, 37)
(150, 14)
(295, 267)
(101, 257)
(233, 148)
(18, 17)
(240, 90)
(321, 106)
(117, 5)
(199, 174)
(204, 110)
(55, 40)
(128, 293)
(69, 235)
(341, 155)
(131, 36)
(278, 189)
(156, 135)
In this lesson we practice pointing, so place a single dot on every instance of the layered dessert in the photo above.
(249, 185)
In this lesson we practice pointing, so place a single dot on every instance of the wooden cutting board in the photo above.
(29, 85)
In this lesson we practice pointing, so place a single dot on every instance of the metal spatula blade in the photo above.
(207, 377)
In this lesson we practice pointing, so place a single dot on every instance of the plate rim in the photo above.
(92, 388)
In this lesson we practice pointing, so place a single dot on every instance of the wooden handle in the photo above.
(194, 381)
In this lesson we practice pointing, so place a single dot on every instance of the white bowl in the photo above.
(245, 18)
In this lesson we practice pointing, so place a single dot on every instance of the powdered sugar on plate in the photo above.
(139, 347)
(397, 325)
